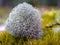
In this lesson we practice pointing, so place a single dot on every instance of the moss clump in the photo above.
(24, 22)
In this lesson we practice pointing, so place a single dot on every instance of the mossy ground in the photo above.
(49, 38)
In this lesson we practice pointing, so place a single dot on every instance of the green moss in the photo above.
(6, 39)
(49, 38)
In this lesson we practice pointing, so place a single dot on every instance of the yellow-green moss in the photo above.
(49, 38)
(6, 39)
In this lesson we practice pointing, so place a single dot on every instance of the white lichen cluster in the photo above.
(24, 21)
